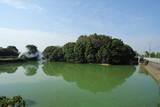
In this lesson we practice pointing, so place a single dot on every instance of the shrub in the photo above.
(146, 62)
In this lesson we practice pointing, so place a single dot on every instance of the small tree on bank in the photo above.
(31, 54)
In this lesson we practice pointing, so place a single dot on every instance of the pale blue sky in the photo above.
(55, 22)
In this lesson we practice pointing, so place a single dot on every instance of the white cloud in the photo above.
(21, 38)
(21, 4)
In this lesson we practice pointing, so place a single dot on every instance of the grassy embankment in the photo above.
(10, 60)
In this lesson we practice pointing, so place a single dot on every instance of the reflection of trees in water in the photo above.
(30, 68)
(9, 68)
(92, 77)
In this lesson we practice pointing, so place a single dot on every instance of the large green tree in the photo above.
(54, 53)
(69, 51)
(80, 49)
(93, 49)
(121, 53)
(10, 51)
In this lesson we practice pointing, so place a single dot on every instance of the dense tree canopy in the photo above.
(54, 53)
(10, 51)
(92, 49)
(152, 54)
(69, 52)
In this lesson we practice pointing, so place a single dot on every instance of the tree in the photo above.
(14, 49)
(54, 53)
(80, 49)
(116, 52)
(88, 48)
(158, 55)
(32, 49)
(31, 54)
(147, 54)
(153, 55)
(93, 49)
(104, 53)
(121, 53)
(10, 51)
(69, 51)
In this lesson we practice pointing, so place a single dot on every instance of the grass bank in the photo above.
(10, 60)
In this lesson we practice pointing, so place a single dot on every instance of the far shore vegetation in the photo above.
(151, 54)
(92, 48)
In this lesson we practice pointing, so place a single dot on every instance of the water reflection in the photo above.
(30, 68)
(45, 89)
(95, 78)
(30, 102)
(9, 68)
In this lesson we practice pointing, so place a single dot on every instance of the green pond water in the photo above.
(79, 85)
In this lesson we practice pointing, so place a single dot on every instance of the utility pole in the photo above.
(149, 50)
